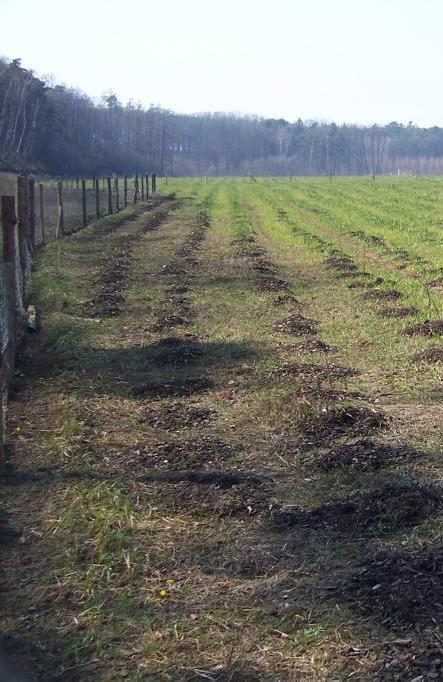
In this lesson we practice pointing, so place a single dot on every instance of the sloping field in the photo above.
(225, 441)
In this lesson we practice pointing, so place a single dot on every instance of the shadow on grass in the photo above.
(173, 361)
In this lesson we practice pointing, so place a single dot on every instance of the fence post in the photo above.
(117, 201)
(97, 199)
(147, 186)
(154, 183)
(125, 190)
(22, 215)
(31, 196)
(143, 187)
(110, 211)
(60, 230)
(9, 300)
(84, 216)
(9, 222)
(42, 214)
(135, 189)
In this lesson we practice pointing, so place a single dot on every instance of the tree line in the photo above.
(55, 129)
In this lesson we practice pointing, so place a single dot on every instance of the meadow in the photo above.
(225, 439)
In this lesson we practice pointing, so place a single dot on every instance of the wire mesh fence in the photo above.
(34, 211)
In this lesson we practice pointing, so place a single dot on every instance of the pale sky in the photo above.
(359, 61)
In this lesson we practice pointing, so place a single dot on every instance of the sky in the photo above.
(355, 61)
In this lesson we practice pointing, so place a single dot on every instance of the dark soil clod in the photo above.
(339, 421)
(298, 325)
(339, 261)
(382, 295)
(433, 354)
(428, 328)
(400, 312)
(202, 452)
(400, 586)
(365, 455)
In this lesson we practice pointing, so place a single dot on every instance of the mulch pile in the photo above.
(400, 311)
(401, 586)
(428, 328)
(337, 421)
(298, 325)
(433, 354)
(382, 295)
(365, 455)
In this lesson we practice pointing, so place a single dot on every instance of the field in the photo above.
(225, 439)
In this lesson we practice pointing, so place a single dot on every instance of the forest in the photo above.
(61, 131)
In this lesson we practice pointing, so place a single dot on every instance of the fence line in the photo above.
(61, 210)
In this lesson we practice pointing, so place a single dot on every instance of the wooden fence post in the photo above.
(135, 189)
(110, 211)
(9, 313)
(60, 230)
(31, 198)
(84, 216)
(97, 200)
(117, 201)
(22, 216)
(154, 183)
(9, 230)
(125, 190)
(147, 186)
(143, 187)
(42, 212)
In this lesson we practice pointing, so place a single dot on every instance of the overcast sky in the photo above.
(360, 61)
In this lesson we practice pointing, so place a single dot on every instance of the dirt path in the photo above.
(200, 474)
